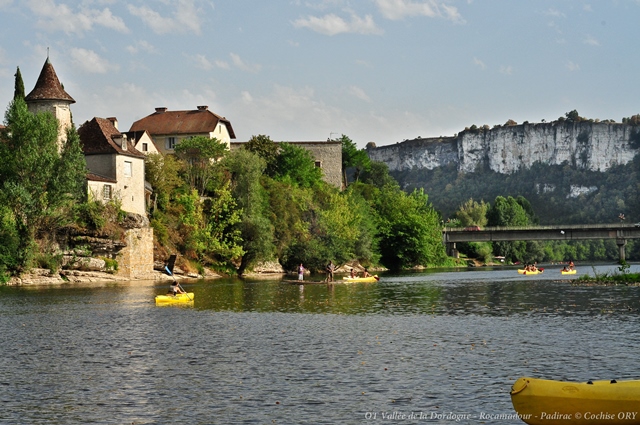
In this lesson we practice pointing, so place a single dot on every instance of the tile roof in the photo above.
(196, 121)
(97, 137)
(48, 86)
(98, 178)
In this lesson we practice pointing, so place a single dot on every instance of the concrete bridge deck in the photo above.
(619, 232)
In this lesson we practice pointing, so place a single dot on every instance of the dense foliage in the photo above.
(42, 181)
(278, 207)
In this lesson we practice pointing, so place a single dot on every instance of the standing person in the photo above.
(300, 272)
(330, 268)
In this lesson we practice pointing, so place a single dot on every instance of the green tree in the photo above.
(40, 183)
(508, 212)
(378, 176)
(296, 164)
(473, 213)
(18, 91)
(162, 172)
(266, 149)
(573, 116)
(200, 154)
(409, 230)
(353, 157)
(245, 169)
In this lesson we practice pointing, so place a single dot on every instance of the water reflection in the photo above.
(423, 293)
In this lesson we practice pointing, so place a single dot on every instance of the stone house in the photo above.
(141, 140)
(168, 128)
(116, 167)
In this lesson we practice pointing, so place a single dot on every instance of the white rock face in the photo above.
(507, 149)
(581, 190)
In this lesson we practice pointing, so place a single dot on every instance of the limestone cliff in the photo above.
(583, 145)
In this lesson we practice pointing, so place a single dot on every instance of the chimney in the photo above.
(114, 121)
(161, 109)
(203, 108)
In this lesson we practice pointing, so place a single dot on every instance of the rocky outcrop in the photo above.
(583, 145)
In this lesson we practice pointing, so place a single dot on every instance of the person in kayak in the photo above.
(365, 273)
(174, 289)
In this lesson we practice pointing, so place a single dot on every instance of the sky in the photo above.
(379, 71)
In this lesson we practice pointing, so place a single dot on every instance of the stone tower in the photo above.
(48, 95)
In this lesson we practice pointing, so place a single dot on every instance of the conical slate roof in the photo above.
(48, 86)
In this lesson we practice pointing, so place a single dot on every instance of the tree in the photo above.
(245, 169)
(378, 175)
(162, 172)
(508, 212)
(297, 165)
(472, 213)
(408, 230)
(266, 149)
(39, 183)
(18, 91)
(573, 116)
(352, 157)
(200, 154)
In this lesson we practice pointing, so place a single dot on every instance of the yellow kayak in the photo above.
(361, 279)
(522, 271)
(543, 401)
(568, 271)
(171, 299)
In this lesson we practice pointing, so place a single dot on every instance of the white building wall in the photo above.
(130, 188)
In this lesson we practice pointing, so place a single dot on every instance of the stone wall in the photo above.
(328, 156)
(136, 259)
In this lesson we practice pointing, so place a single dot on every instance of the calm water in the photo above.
(428, 346)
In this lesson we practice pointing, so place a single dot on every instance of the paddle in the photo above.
(186, 293)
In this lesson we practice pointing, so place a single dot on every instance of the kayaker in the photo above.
(174, 289)
(352, 274)
(571, 265)
(365, 273)
(300, 272)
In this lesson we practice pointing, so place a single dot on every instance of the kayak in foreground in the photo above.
(172, 299)
(361, 279)
(543, 401)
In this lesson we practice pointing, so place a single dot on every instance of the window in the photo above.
(128, 169)
(318, 164)
(145, 148)
(171, 142)
(106, 192)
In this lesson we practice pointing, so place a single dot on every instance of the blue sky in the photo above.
(376, 70)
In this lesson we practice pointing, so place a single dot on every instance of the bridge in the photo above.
(620, 232)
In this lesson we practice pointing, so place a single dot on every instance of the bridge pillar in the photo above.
(621, 244)
(452, 251)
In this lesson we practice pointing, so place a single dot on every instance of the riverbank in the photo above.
(46, 277)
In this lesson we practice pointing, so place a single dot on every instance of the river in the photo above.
(438, 347)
